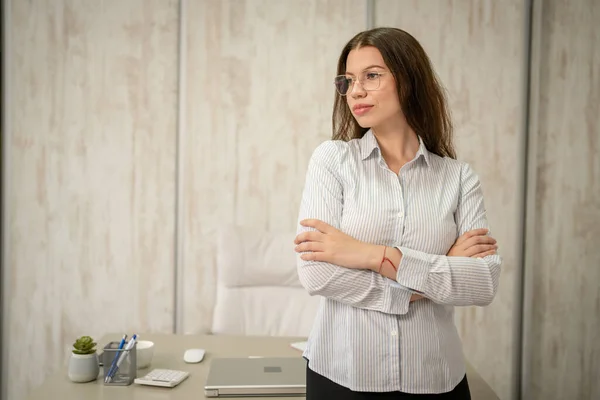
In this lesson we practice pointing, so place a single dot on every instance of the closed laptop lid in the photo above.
(256, 376)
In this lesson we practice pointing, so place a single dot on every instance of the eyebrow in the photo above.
(364, 69)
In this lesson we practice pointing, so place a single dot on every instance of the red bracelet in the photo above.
(384, 259)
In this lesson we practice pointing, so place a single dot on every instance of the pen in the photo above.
(114, 362)
(127, 348)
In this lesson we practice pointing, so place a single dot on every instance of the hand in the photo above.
(474, 244)
(330, 245)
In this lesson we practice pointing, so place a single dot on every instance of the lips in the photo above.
(360, 109)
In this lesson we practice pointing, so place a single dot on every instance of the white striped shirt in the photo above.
(367, 336)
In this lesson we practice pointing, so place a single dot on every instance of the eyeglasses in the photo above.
(369, 81)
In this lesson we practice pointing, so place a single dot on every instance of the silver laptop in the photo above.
(254, 377)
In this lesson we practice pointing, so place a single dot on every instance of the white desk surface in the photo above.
(168, 353)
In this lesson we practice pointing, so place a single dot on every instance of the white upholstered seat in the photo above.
(258, 291)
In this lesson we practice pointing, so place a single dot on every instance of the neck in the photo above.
(398, 145)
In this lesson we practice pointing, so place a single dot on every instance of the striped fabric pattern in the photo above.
(367, 336)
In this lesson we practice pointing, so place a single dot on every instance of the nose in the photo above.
(357, 91)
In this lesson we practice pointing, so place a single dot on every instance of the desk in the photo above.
(168, 353)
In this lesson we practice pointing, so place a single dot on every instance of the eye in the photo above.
(372, 75)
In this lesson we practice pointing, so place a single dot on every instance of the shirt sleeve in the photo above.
(322, 199)
(459, 281)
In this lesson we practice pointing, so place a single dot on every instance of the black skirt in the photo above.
(320, 388)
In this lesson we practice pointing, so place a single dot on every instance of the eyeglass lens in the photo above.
(370, 81)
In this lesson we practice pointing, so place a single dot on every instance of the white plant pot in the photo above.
(83, 367)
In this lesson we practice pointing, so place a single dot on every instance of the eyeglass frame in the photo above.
(356, 79)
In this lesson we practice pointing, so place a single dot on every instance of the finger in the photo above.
(317, 224)
(480, 248)
(472, 241)
(471, 233)
(309, 246)
(312, 236)
(485, 254)
(315, 256)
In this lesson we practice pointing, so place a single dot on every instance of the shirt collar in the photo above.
(368, 144)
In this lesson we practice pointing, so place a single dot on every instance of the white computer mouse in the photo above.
(193, 355)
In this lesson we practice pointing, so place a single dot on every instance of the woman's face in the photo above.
(374, 101)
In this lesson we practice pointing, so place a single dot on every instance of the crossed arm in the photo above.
(335, 265)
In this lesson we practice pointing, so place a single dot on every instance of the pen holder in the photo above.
(125, 373)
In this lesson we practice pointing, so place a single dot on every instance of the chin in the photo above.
(365, 122)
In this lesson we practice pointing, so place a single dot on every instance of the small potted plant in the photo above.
(83, 364)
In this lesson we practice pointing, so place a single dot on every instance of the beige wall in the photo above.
(123, 163)
(91, 172)
(562, 330)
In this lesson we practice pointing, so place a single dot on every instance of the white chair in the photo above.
(258, 291)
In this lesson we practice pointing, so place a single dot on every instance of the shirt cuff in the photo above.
(396, 284)
(413, 269)
(396, 299)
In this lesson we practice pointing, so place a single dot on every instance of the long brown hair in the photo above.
(422, 97)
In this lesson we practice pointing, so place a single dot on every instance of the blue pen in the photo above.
(129, 346)
(114, 362)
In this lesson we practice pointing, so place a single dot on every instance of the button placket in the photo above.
(401, 212)
(395, 348)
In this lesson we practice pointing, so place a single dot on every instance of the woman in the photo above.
(393, 232)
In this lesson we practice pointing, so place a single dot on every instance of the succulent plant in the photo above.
(84, 345)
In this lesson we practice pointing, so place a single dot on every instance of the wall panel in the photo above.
(562, 357)
(92, 170)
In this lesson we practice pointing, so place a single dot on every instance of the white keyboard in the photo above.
(163, 378)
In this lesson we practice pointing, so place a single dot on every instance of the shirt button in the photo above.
(394, 333)
(400, 214)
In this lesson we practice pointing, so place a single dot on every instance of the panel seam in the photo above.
(532, 59)
(5, 275)
(178, 273)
